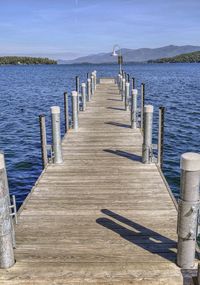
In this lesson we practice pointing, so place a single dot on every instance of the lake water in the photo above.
(27, 91)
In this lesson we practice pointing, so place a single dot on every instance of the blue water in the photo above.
(27, 91)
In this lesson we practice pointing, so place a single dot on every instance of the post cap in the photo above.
(83, 85)
(127, 84)
(88, 79)
(124, 79)
(74, 93)
(2, 160)
(55, 110)
(148, 109)
(190, 161)
(135, 92)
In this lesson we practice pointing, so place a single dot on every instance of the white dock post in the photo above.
(142, 106)
(6, 228)
(74, 110)
(83, 93)
(92, 84)
(134, 109)
(188, 209)
(127, 92)
(77, 90)
(147, 137)
(161, 136)
(56, 135)
(88, 89)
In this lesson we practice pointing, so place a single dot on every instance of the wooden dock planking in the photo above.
(102, 217)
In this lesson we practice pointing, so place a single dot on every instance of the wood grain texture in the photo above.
(101, 217)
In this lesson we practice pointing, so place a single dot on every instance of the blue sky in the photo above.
(79, 27)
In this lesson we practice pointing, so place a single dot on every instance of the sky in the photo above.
(71, 28)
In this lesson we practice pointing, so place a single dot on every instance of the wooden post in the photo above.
(43, 138)
(147, 137)
(188, 209)
(161, 136)
(142, 106)
(56, 135)
(74, 110)
(123, 88)
(77, 90)
(88, 89)
(6, 227)
(133, 83)
(127, 91)
(134, 109)
(66, 112)
(83, 93)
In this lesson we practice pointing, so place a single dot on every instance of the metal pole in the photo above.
(128, 77)
(147, 137)
(74, 110)
(133, 83)
(83, 92)
(77, 89)
(43, 138)
(56, 135)
(161, 136)
(134, 109)
(6, 227)
(188, 209)
(127, 91)
(142, 106)
(88, 89)
(66, 111)
(123, 88)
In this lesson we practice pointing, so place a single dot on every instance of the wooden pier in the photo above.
(101, 217)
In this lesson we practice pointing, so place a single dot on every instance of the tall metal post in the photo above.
(127, 91)
(134, 109)
(161, 136)
(88, 89)
(77, 90)
(128, 77)
(123, 88)
(142, 106)
(66, 112)
(188, 209)
(43, 138)
(56, 135)
(83, 93)
(74, 110)
(147, 137)
(6, 227)
(133, 82)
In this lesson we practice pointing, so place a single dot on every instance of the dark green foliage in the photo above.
(25, 60)
(186, 57)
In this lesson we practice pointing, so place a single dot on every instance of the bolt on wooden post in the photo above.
(134, 109)
(43, 138)
(188, 209)
(83, 93)
(74, 110)
(6, 227)
(66, 112)
(56, 135)
(147, 137)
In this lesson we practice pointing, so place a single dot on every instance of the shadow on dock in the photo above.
(125, 154)
(118, 124)
(114, 108)
(110, 99)
(155, 242)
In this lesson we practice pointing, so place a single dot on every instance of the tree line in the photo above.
(17, 60)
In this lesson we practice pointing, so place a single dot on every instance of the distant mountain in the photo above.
(134, 55)
(186, 57)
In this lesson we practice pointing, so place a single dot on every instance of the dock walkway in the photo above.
(101, 217)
